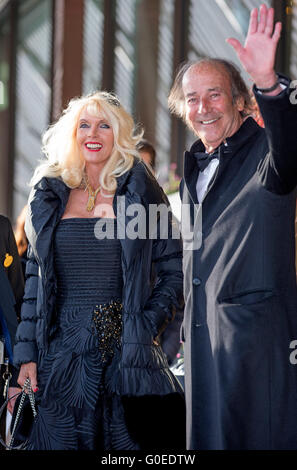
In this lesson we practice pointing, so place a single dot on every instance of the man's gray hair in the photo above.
(176, 99)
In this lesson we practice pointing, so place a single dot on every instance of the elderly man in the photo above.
(239, 181)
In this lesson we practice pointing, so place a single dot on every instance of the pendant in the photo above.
(91, 203)
(91, 196)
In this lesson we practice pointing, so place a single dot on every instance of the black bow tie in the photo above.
(203, 159)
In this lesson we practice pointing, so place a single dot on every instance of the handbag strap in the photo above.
(27, 389)
(2, 410)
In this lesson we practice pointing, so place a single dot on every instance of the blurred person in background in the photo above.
(148, 153)
(11, 294)
(21, 237)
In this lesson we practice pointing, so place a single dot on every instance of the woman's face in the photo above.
(94, 137)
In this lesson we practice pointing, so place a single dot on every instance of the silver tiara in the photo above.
(111, 99)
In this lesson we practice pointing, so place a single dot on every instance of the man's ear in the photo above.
(239, 103)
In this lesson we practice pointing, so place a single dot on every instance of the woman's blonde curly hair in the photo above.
(63, 157)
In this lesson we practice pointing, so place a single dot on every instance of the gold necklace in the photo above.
(92, 194)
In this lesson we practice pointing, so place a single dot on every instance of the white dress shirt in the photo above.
(204, 178)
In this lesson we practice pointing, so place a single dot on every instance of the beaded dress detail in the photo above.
(77, 408)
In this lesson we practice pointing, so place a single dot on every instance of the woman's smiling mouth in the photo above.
(93, 146)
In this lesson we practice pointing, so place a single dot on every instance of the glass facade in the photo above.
(33, 91)
(93, 35)
(293, 54)
(165, 71)
(221, 19)
(4, 63)
(124, 52)
(131, 47)
(5, 32)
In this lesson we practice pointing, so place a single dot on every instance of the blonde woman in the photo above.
(88, 339)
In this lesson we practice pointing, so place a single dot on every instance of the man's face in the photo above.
(210, 111)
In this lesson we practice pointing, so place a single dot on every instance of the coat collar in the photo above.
(46, 205)
(140, 188)
(233, 143)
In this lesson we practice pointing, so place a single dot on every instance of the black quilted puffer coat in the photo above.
(143, 368)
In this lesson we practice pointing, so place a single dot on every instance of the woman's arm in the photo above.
(167, 293)
(28, 370)
(25, 350)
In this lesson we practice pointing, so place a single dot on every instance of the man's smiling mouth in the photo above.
(210, 121)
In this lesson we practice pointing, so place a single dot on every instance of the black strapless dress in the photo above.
(77, 409)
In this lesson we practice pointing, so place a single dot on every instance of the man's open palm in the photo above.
(257, 56)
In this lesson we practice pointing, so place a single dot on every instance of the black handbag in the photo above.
(24, 414)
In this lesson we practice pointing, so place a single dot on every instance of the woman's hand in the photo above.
(28, 370)
(257, 56)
